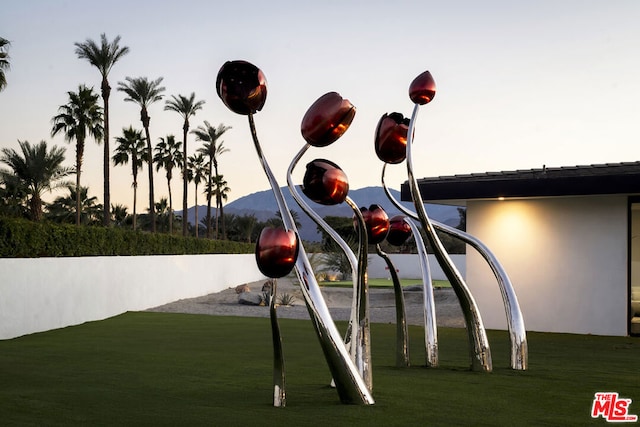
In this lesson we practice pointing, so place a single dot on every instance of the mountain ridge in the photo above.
(263, 205)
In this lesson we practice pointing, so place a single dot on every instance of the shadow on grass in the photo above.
(179, 369)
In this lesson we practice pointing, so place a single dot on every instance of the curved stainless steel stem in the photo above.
(402, 331)
(430, 326)
(479, 349)
(362, 336)
(279, 392)
(357, 338)
(349, 384)
(515, 320)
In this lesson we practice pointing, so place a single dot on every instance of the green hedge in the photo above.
(27, 239)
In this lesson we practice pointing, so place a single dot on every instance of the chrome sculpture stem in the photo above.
(357, 335)
(479, 350)
(429, 306)
(402, 331)
(349, 384)
(279, 395)
(361, 337)
(515, 320)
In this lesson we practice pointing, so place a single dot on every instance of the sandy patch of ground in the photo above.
(381, 304)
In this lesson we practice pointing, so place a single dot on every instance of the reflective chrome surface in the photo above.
(402, 331)
(358, 331)
(479, 350)
(279, 394)
(515, 320)
(349, 384)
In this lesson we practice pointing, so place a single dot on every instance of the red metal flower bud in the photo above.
(327, 119)
(325, 183)
(422, 89)
(391, 138)
(377, 223)
(276, 252)
(242, 87)
(399, 231)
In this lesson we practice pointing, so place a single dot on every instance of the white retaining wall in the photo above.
(39, 294)
(408, 266)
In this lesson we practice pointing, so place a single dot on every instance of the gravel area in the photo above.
(381, 304)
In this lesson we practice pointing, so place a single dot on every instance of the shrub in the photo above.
(26, 239)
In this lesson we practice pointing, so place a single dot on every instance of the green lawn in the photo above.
(156, 369)
(388, 283)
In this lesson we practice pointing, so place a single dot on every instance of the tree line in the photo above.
(34, 169)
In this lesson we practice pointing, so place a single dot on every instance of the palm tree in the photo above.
(119, 214)
(64, 208)
(221, 191)
(212, 149)
(103, 57)
(79, 118)
(144, 93)
(186, 107)
(131, 148)
(167, 155)
(197, 173)
(35, 170)
(4, 62)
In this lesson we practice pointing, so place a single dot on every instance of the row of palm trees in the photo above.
(36, 169)
(82, 118)
(143, 92)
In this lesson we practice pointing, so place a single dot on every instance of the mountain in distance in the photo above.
(263, 205)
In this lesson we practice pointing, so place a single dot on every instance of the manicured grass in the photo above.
(176, 369)
(385, 283)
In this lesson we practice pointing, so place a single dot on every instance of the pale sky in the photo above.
(519, 84)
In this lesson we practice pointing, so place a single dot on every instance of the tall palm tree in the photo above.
(212, 149)
(186, 107)
(167, 155)
(144, 93)
(64, 208)
(79, 118)
(4, 62)
(131, 148)
(221, 190)
(103, 57)
(36, 170)
(197, 174)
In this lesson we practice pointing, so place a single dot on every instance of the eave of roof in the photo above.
(598, 179)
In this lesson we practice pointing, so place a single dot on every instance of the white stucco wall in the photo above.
(567, 259)
(47, 293)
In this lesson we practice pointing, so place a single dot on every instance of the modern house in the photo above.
(568, 237)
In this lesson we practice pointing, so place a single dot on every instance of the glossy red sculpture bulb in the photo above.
(242, 87)
(327, 119)
(376, 222)
(391, 138)
(422, 89)
(399, 231)
(325, 183)
(276, 252)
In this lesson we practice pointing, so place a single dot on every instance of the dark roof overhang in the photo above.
(600, 179)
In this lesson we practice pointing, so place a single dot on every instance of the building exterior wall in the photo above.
(566, 257)
(39, 294)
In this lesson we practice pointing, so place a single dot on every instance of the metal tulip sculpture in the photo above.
(422, 91)
(390, 145)
(243, 89)
(276, 254)
(325, 183)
